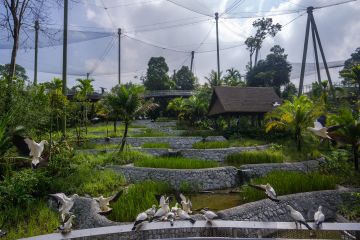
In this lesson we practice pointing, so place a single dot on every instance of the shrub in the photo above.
(246, 142)
(139, 197)
(156, 145)
(290, 182)
(210, 145)
(254, 157)
(175, 163)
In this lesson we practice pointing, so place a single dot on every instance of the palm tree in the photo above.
(126, 103)
(213, 79)
(177, 105)
(233, 78)
(85, 88)
(349, 131)
(353, 74)
(294, 116)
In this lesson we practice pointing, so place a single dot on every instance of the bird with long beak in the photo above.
(183, 215)
(105, 202)
(65, 203)
(66, 227)
(36, 150)
(208, 215)
(163, 210)
(268, 190)
(297, 217)
(319, 217)
(319, 130)
(141, 217)
(185, 204)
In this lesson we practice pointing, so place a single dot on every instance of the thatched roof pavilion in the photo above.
(237, 101)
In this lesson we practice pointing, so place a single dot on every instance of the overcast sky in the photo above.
(170, 25)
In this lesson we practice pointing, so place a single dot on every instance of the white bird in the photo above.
(66, 227)
(36, 150)
(164, 208)
(170, 216)
(319, 217)
(319, 130)
(66, 203)
(185, 216)
(151, 211)
(175, 208)
(139, 219)
(186, 204)
(208, 215)
(276, 104)
(105, 202)
(297, 217)
(268, 189)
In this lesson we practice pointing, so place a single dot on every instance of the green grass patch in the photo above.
(194, 133)
(254, 157)
(35, 219)
(175, 163)
(290, 182)
(156, 145)
(246, 142)
(211, 145)
(139, 197)
(150, 133)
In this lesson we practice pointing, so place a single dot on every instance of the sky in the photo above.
(174, 28)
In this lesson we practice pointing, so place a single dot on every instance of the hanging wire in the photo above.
(187, 8)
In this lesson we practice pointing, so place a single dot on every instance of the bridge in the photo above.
(169, 93)
(219, 229)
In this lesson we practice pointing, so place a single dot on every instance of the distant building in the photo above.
(242, 101)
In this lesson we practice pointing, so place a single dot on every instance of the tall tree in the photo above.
(233, 78)
(185, 79)
(127, 104)
(264, 27)
(289, 91)
(20, 72)
(274, 71)
(352, 75)
(213, 79)
(156, 76)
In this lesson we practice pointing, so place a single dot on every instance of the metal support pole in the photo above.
(192, 60)
(119, 33)
(87, 75)
(309, 9)
(64, 70)
(322, 54)
(37, 27)
(316, 54)
(217, 45)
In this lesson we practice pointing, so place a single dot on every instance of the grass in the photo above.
(246, 142)
(24, 222)
(290, 182)
(194, 132)
(175, 163)
(211, 145)
(254, 157)
(150, 133)
(139, 197)
(156, 145)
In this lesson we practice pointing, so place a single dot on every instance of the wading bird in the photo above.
(183, 215)
(209, 215)
(319, 217)
(65, 203)
(141, 217)
(297, 217)
(186, 204)
(268, 189)
(104, 202)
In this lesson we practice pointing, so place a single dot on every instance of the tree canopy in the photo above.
(274, 71)
(184, 79)
(20, 72)
(156, 75)
(233, 78)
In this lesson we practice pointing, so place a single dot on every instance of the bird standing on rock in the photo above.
(319, 217)
(209, 215)
(141, 217)
(163, 210)
(183, 215)
(66, 203)
(186, 204)
(104, 202)
(151, 211)
(297, 217)
(268, 189)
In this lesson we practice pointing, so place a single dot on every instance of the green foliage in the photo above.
(233, 78)
(290, 182)
(175, 163)
(149, 132)
(246, 142)
(294, 116)
(156, 145)
(184, 79)
(351, 210)
(210, 145)
(156, 75)
(20, 72)
(139, 197)
(214, 80)
(352, 75)
(289, 91)
(352, 61)
(254, 157)
(32, 220)
(274, 71)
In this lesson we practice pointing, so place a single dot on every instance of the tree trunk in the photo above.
(123, 140)
(355, 149)
(251, 55)
(298, 139)
(256, 56)
(115, 125)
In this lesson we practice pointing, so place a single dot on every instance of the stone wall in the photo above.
(249, 171)
(174, 142)
(199, 179)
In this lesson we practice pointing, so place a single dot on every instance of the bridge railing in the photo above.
(218, 229)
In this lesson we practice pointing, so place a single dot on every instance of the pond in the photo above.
(215, 201)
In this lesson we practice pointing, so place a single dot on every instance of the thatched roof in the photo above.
(242, 100)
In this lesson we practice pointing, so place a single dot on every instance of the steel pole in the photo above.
(192, 60)
(217, 45)
(64, 70)
(316, 54)
(119, 33)
(36, 50)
